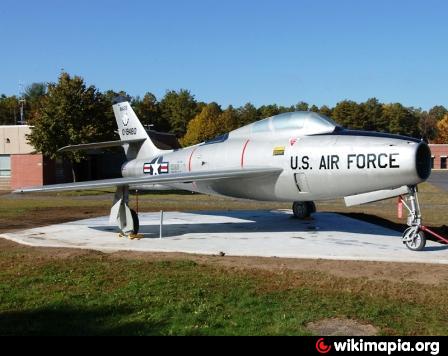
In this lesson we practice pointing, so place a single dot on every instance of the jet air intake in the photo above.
(423, 161)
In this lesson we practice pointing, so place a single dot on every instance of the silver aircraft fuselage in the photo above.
(319, 160)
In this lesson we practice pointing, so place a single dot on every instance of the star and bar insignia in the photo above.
(156, 167)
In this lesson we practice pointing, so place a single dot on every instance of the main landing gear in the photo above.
(414, 236)
(126, 218)
(303, 209)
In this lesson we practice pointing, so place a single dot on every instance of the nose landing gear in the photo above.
(414, 237)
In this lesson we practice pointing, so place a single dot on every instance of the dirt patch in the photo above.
(341, 327)
(390, 271)
(43, 254)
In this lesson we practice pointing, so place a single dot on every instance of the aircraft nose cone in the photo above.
(423, 161)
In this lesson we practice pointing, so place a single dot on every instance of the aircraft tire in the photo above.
(311, 207)
(136, 222)
(303, 209)
(418, 241)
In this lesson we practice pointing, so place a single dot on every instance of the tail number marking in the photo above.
(129, 131)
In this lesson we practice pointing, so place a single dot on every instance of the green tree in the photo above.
(268, 111)
(302, 106)
(35, 91)
(204, 126)
(71, 113)
(427, 126)
(228, 121)
(148, 111)
(33, 96)
(9, 110)
(314, 108)
(111, 95)
(438, 112)
(442, 129)
(178, 108)
(401, 120)
(325, 110)
(247, 114)
(285, 109)
(348, 114)
(428, 122)
(371, 116)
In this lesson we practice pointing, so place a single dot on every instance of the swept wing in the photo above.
(187, 177)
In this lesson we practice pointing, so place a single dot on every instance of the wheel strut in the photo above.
(126, 218)
(414, 237)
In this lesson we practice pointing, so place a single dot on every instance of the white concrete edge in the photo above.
(215, 253)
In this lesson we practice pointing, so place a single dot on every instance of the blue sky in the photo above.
(234, 51)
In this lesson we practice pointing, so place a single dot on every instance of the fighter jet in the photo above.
(297, 157)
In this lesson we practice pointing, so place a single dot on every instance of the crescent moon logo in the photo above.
(125, 119)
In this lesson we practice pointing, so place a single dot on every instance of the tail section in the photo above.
(130, 128)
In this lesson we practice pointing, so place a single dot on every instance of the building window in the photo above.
(5, 166)
(8, 140)
(443, 163)
(432, 162)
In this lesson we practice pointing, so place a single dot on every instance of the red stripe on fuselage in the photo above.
(189, 161)
(243, 153)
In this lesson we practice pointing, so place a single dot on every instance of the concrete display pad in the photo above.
(240, 233)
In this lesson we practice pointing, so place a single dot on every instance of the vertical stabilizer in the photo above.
(130, 128)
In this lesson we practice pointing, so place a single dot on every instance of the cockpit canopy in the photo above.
(299, 123)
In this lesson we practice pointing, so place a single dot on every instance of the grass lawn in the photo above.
(99, 294)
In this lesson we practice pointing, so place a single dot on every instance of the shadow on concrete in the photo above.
(62, 319)
(259, 222)
(442, 247)
(373, 219)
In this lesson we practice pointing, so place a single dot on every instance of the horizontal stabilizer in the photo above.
(375, 196)
(186, 177)
(98, 145)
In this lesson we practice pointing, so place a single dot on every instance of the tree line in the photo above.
(70, 112)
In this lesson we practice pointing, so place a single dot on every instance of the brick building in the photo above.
(21, 167)
(439, 156)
